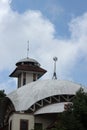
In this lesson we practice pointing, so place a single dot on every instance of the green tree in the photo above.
(70, 122)
(75, 116)
(80, 107)
(2, 94)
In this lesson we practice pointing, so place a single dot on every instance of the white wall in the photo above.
(16, 120)
(29, 77)
(45, 120)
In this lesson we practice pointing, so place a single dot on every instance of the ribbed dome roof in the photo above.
(28, 60)
(24, 97)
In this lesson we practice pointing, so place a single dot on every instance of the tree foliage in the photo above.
(2, 94)
(75, 118)
(80, 107)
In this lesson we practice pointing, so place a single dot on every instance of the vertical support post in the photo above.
(54, 74)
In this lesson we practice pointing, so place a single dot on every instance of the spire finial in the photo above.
(54, 74)
(27, 48)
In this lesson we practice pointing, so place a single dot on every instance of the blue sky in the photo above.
(54, 28)
(60, 12)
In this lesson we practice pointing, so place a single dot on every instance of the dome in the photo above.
(28, 61)
(24, 97)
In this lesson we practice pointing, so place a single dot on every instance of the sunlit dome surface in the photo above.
(24, 97)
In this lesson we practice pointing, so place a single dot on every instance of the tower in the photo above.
(27, 70)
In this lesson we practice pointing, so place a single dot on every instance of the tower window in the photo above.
(34, 77)
(19, 80)
(24, 78)
(23, 124)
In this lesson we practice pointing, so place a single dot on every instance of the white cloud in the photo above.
(78, 27)
(16, 29)
(4, 8)
(54, 10)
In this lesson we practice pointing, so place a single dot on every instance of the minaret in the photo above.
(27, 70)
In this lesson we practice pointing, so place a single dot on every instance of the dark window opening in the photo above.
(24, 78)
(19, 80)
(34, 77)
(38, 126)
(23, 124)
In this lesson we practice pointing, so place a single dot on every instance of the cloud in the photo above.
(53, 9)
(78, 27)
(16, 29)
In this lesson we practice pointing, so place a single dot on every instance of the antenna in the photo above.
(27, 48)
(54, 74)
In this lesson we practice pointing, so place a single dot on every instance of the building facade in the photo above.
(36, 103)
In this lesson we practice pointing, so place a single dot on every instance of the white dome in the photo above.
(25, 60)
(24, 97)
